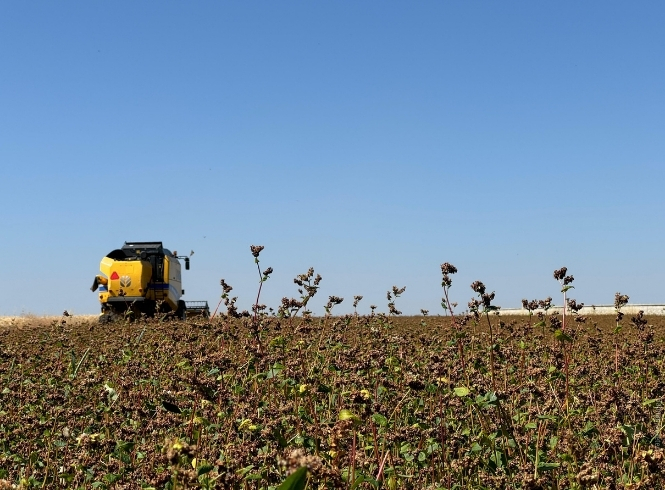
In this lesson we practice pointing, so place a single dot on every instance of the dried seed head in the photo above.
(560, 273)
(392, 310)
(487, 299)
(639, 321)
(620, 300)
(256, 250)
(225, 287)
(575, 306)
(555, 323)
(478, 287)
(545, 304)
(447, 268)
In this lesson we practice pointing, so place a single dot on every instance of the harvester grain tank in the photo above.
(143, 278)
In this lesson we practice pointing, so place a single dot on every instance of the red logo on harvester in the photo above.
(115, 276)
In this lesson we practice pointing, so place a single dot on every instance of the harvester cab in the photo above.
(142, 278)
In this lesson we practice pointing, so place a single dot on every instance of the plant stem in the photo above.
(491, 350)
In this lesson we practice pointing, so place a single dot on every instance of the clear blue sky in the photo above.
(370, 140)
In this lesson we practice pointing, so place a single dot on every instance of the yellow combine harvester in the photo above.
(143, 277)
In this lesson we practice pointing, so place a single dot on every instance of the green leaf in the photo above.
(245, 470)
(462, 391)
(566, 288)
(323, 389)
(543, 466)
(360, 479)
(204, 468)
(276, 370)
(568, 458)
(646, 403)
(111, 477)
(562, 337)
(588, 429)
(348, 415)
(540, 324)
(295, 481)
(124, 447)
(380, 419)
(281, 440)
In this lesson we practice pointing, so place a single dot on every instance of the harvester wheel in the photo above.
(181, 312)
(109, 316)
(149, 308)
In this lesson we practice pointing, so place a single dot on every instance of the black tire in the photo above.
(149, 308)
(181, 312)
(108, 316)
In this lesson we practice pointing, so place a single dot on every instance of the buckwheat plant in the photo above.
(356, 300)
(559, 334)
(257, 308)
(332, 302)
(565, 282)
(447, 270)
(485, 300)
(396, 293)
(530, 306)
(620, 300)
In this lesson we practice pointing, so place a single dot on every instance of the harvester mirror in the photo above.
(186, 263)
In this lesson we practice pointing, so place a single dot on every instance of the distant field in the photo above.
(36, 320)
